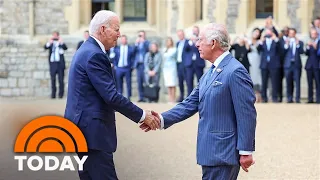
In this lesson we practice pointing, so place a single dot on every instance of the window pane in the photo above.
(135, 10)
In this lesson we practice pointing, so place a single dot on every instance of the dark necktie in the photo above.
(210, 73)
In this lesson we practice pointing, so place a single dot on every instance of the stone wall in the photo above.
(232, 15)
(292, 8)
(13, 13)
(48, 16)
(24, 69)
(316, 9)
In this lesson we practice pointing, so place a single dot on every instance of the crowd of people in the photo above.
(266, 54)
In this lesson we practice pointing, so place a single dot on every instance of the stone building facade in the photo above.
(25, 26)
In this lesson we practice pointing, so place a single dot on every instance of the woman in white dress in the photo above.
(254, 60)
(170, 69)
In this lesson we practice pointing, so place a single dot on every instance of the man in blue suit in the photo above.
(270, 65)
(225, 101)
(198, 63)
(93, 99)
(292, 64)
(312, 65)
(184, 63)
(123, 64)
(141, 49)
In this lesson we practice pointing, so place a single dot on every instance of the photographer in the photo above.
(56, 62)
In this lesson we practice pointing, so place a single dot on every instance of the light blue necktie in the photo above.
(210, 73)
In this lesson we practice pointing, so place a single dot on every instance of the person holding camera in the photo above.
(56, 62)
(293, 48)
(270, 64)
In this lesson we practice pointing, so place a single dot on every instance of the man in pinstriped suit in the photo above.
(225, 100)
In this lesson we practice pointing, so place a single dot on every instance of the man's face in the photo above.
(123, 40)
(314, 34)
(268, 32)
(292, 33)
(286, 31)
(195, 31)
(142, 35)
(86, 35)
(180, 35)
(204, 47)
(317, 23)
(55, 35)
(111, 34)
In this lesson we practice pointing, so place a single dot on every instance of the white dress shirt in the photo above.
(123, 56)
(103, 49)
(216, 64)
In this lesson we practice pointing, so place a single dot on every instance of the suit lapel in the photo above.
(210, 80)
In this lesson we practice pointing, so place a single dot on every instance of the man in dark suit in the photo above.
(293, 48)
(85, 36)
(184, 63)
(270, 64)
(56, 62)
(141, 48)
(312, 65)
(224, 99)
(198, 63)
(123, 64)
(93, 98)
(282, 41)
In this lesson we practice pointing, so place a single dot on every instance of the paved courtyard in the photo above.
(287, 144)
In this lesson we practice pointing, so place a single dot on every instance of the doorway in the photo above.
(264, 8)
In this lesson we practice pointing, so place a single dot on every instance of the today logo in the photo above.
(50, 134)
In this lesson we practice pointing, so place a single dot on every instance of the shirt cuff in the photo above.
(245, 152)
(162, 122)
(286, 46)
(48, 44)
(143, 116)
(298, 46)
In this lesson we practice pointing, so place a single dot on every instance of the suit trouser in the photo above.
(120, 74)
(313, 74)
(220, 172)
(189, 74)
(274, 75)
(99, 165)
(181, 75)
(140, 79)
(293, 74)
(280, 86)
(55, 68)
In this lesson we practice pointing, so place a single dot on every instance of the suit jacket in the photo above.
(199, 62)
(186, 53)
(313, 60)
(282, 51)
(93, 99)
(157, 68)
(79, 44)
(141, 51)
(297, 58)
(130, 57)
(273, 53)
(226, 111)
(63, 46)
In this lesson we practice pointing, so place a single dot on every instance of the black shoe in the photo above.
(141, 100)
(310, 102)
(290, 102)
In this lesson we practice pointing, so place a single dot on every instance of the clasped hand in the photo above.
(151, 122)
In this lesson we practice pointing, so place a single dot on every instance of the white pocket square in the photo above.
(217, 83)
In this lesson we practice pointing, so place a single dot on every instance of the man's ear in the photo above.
(213, 44)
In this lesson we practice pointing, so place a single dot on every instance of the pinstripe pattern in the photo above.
(220, 172)
(227, 114)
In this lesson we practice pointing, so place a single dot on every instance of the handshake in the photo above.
(152, 121)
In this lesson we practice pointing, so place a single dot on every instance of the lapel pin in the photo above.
(219, 70)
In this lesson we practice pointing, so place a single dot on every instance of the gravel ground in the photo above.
(287, 144)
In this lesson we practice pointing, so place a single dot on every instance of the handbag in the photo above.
(151, 91)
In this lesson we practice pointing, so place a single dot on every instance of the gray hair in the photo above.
(219, 33)
(101, 18)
